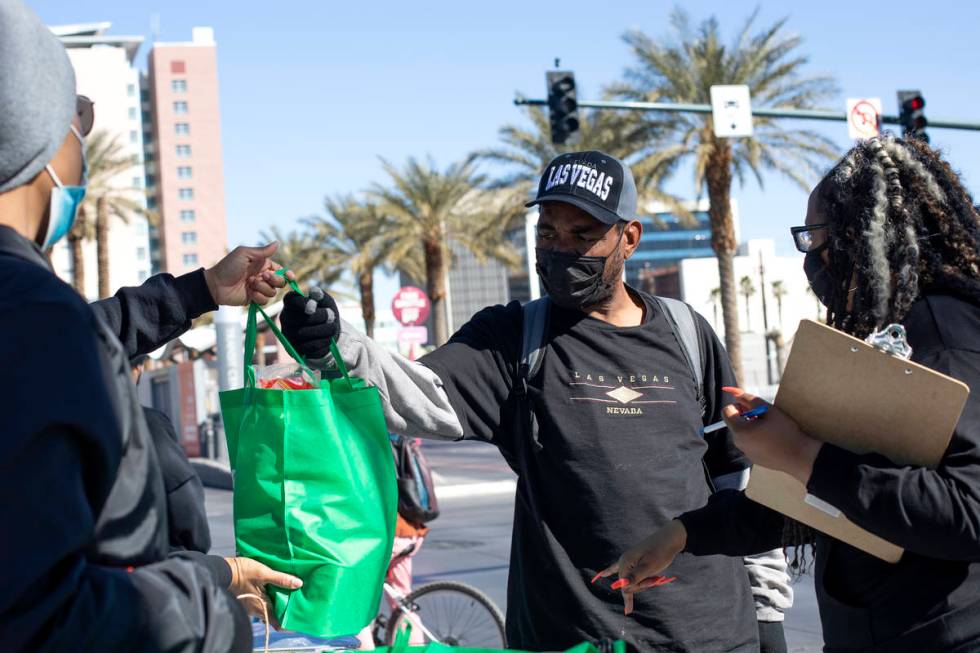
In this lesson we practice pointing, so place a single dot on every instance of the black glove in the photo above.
(310, 322)
(772, 638)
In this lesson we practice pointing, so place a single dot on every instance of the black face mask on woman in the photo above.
(816, 272)
(573, 281)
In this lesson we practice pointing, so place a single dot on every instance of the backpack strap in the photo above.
(684, 324)
(535, 321)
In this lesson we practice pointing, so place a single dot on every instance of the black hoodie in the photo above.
(83, 549)
(930, 600)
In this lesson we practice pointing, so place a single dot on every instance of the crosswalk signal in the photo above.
(912, 115)
(562, 105)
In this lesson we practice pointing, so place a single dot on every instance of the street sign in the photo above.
(863, 117)
(413, 335)
(410, 306)
(731, 108)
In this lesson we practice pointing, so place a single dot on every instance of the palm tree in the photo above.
(526, 150)
(105, 199)
(355, 237)
(299, 252)
(683, 70)
(747, 289)
(81, 231)
(778, 292)
(715, 298)
(430, 207)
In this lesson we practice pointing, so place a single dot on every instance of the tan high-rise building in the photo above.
(184, 146)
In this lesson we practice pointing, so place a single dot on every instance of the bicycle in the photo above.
(448, 612)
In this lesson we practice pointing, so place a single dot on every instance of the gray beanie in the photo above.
(37, 95)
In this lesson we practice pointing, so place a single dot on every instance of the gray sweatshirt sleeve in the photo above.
(767, 571)
(414, 399)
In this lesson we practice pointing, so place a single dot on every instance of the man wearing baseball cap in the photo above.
(84, 547)
(604, 434)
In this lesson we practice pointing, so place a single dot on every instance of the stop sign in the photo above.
(410, 306)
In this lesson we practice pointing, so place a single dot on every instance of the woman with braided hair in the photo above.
(891, 235)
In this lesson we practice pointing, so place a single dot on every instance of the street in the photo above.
(470, 541)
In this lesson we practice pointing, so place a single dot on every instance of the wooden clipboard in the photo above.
(846, 392)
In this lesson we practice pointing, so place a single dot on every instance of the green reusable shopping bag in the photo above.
(315, 492)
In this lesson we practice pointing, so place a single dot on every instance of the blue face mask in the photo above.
(65, 201)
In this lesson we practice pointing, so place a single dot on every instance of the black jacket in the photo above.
(188, 532)
(930, 600)
(83, 550)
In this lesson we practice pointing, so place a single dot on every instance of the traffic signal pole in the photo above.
(799, 114)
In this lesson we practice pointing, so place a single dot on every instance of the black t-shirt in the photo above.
(619, 454)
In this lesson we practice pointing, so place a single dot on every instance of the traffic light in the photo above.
(912, 116)
(562, 105)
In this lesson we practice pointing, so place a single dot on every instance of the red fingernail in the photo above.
(620, 584)
(596, 577)
(731, 390)
(663, 581)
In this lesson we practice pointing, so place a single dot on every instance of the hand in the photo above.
(310, 322)
(773, 440)
(250, 577)
(245, 275)
(639, 567)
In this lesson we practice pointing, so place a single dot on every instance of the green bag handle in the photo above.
(251, 329)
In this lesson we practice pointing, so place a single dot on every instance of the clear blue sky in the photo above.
(313, 92)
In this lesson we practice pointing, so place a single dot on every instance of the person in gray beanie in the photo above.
(84, 550)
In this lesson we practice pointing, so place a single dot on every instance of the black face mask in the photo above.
(816, 272)
(573, 281)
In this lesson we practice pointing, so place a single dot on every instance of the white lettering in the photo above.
(608, 187)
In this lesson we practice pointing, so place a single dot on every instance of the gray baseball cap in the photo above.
(37, 95)
(596, 182)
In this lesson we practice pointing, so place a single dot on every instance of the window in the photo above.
(137, 182)
(143, 274)
(131, 90)
(186, 193)
(190, 259)
(187, 215)
(180, 107)
(141, 253)
(178, 67)
(151, 202)
(183, 151)
(133, 113)
(188, 237)
(134, 137)
(184, 172)
(178, 85)
(182, 129)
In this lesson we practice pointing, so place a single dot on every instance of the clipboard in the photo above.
(846, 392)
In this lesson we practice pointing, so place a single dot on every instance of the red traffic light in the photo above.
(916, 103)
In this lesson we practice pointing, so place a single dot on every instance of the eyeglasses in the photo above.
(85, 109)
(803, 236)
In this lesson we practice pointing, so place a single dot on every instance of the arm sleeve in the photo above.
(187, 519)
(931, 512)
(217, 565)
(413, 396)
(477, 367)
(732, 524)
(58, 460)
(149, 316)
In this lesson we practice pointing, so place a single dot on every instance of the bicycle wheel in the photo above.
(455, 613)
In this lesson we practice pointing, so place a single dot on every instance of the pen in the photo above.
(755, 412)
